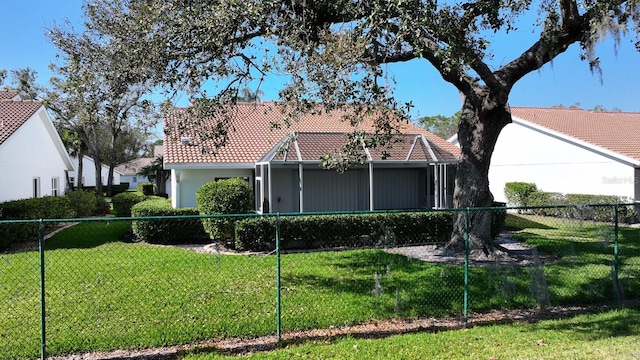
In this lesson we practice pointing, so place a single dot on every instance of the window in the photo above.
(36, 187)
(54, 186)
(135, 179)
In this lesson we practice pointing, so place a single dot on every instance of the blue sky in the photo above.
(566, 81)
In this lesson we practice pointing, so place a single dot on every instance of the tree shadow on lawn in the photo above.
(515, 222)
(89, 234)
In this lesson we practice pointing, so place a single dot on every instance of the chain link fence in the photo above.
(126, 283)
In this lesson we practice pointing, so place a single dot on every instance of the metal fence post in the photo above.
(43, 333)
(278, 318)
(617, 289)
(466, 264)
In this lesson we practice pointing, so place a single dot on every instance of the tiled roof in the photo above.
(251, 136)
(6, 94)
(618, 132)
(134, 166)
(14, 113)
(312, 146)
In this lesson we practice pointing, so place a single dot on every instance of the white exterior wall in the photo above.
(89, 173)
(32, 152)
(186, 182)
(555, 165)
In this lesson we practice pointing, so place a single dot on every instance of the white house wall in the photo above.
(30, 153)
(186, 182)
(89, 173)
(554, 165)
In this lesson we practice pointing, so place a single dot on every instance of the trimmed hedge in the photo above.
(123, 202)
(351, 230)
(82, 202)
(626, 214)
(517, 193)
(167, 231)
(48, 207)
(228, 196)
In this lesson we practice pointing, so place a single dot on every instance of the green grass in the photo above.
(613, 334)
(103, 294)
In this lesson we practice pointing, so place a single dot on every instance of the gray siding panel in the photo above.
(326, 190)
(399, 188)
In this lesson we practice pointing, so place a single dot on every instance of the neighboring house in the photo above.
(89, 173)
(569, 151)
(33, 160)
(131, 170)
(282, 164)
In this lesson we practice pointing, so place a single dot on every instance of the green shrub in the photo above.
(142, 185)
(347, 230)
(102, 206)
(82, 202)
(122, 203)
(498, 218)
(229, 196)
(575, 206)
(48, 207)
(517, 193)
(168, 230)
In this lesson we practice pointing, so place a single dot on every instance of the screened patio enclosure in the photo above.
(414, 174)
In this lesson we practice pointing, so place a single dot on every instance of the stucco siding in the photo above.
(189, 181)
(523, 154)
(28, 154)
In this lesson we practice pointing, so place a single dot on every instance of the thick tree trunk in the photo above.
(483, 117)
(98, 167)
(110, 182)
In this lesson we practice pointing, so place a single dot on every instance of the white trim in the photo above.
(210, 166)
(429, 149)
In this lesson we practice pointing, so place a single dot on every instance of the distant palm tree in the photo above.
(250, 96)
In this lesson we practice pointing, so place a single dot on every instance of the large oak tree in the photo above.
(335, 52)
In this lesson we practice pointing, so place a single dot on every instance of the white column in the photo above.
(301, 186)
(436, 186)
(371, 186)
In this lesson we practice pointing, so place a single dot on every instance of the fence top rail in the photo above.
(320, 213)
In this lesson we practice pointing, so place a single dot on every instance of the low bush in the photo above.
(48, 207)
(82, 202)
(102, 206)
(350, 230)
(122, 203)
(228, 196)
(167, 230)
(498, 218)
(576, 206)
(517, 193)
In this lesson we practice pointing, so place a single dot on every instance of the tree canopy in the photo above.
(335, 53)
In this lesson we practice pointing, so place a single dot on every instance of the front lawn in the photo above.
(104, 294)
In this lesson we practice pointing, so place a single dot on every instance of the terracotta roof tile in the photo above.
(615, 131)
(6, 94)
(14, 113)
(250, 135)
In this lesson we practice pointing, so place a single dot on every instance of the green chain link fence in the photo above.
(99, 286)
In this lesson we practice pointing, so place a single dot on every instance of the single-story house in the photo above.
(283, 163)
(131, 169)
(89, 173)
(569, 150)
(33, 159)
